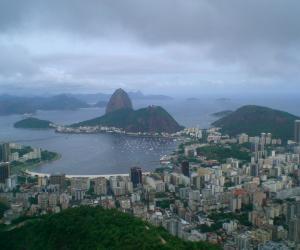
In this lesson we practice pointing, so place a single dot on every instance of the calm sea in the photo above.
(112, 154)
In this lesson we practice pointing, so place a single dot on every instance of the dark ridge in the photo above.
(32, 122)
(21, 105)
(119, 100)
(151, 119)
(253, 120)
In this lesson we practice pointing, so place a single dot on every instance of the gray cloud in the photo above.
(128, 42)
(15, 60)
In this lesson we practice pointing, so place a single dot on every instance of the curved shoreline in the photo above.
(33, 166)
(37, 168)
(27, 171)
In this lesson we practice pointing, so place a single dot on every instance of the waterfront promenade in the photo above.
(107, 176)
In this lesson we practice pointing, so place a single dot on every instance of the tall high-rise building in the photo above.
(43, 200)
(235, 203)
(4, 171)
(294, 230)
(78, 194)
(292, 210)
(254, 170)
(297, 131)
(136, 176)
(173, 226)
(100, 186)
(58, 179)
(243, 241)
(185, 168)
(4, 152)
(254, 147)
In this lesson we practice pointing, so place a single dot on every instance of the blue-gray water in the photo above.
(105, 154)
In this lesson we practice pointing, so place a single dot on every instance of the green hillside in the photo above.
(150, 119)
(32, 122)
(92, 228)
(254, 120)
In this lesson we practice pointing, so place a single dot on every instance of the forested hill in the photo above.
(32, 122)
(92, 228)
(253, 120)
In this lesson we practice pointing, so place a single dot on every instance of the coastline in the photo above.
(107, 176)
(112, 130)
(28, 170)
(126, 134)
(56, 167)
(28, 167)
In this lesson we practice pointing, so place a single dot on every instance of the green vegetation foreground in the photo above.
(92, 228)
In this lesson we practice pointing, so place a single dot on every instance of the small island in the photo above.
(222, 113)
(33, 123)
(223, 99)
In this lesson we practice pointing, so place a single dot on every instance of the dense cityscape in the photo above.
(243, 196)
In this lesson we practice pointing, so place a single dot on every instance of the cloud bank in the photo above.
(156, 46)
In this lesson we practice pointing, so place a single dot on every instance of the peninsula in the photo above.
(121, 115)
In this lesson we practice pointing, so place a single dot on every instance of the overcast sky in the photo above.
(157, 46)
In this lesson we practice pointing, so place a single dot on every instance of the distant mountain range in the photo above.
(119, 113)
(138, 95)
(21, 105)
(10, 104)
(100, 104)
(253, 120)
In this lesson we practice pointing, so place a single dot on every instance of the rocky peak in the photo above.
(118, 100)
